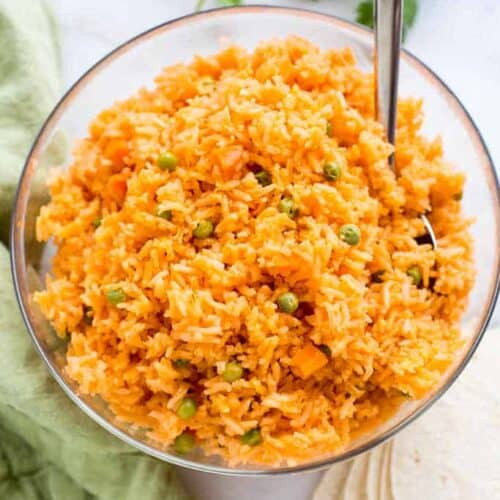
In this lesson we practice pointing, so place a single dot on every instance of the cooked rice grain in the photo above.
(214, 300)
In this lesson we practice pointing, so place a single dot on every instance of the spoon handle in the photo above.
(388, 15)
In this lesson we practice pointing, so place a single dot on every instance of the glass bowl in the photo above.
(134, 64)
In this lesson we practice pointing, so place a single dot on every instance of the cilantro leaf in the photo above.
(364, 14)
(222, 3)
(409, 15)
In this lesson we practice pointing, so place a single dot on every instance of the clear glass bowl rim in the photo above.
(18, 257)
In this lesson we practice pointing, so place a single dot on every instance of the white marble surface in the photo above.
(459, 39)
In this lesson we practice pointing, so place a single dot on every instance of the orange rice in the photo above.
(212, 301)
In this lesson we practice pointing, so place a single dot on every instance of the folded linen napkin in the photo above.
(48, 448)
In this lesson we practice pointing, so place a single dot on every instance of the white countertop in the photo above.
(459, 39)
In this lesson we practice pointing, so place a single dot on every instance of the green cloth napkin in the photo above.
(48, 448)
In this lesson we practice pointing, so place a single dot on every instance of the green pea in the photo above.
(232, 372)
(88, 315)
(203, 230)
(288, 302)
(287, 206)
(116, 295)
(187, 408)
(263, 177)
(377, 276)
(329, 129)
(181, 363)
(252, 437)
(332, 171)
(458, 196)
(165, 214)
(350, 234)
(96, 222)
(167, 161)
(184, 443)
(325, 350)
(415, 274)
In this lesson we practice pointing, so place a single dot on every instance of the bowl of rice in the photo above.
(215, 261)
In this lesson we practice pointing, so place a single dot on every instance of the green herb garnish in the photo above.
(364, 14)
(222, 3)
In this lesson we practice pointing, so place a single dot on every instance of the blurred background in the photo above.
(458, 39)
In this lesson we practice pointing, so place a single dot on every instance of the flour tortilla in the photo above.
(450, 453)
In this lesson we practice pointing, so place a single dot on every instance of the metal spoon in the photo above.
(388, 16)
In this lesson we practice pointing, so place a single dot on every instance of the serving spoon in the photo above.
(387, 21)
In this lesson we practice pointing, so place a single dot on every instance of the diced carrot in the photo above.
(230, 58)
(117, 187)
(308, 360)
(343, 269)
(206, 66)
(116, 150)
(126, 127)
(271, 95)
(96, 128)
